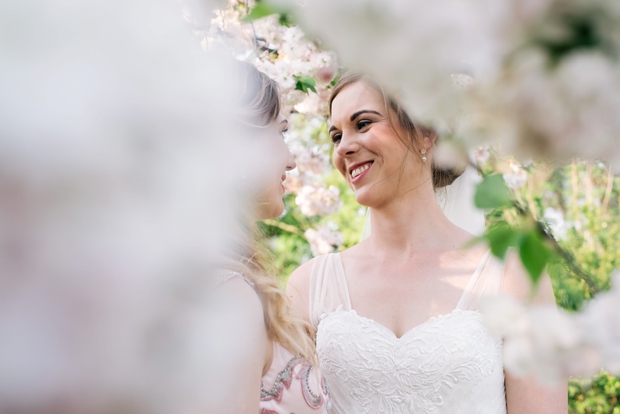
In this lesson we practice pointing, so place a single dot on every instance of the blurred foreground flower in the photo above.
(553, 344)
(113, 208)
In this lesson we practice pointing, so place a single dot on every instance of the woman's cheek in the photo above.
(339, 164)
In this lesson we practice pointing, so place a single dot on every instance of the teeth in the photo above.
(359, 170)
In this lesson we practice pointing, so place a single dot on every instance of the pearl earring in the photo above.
(423, 154)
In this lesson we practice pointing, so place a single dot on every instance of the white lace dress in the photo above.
(448, 364)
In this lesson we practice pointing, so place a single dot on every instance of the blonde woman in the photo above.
(397, 320)
(270, 371)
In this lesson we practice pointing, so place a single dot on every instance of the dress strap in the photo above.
(328, 287)
(233, 275)
(487, 280)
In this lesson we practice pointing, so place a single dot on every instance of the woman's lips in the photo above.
(365, 167)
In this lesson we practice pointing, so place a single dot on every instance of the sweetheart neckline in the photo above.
(415, 328)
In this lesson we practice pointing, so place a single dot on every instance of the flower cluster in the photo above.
(317, 200)
(303, 72)
(547, 74)
(111, 219)
(302, 69)
(517, 177)
(325, 239)
(554, 344)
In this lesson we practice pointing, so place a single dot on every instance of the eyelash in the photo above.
(360, 125)
(363, 123)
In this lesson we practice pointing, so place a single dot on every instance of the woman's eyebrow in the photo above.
(355, 115)
(363, 111)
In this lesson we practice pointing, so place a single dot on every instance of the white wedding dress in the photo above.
(448, 364)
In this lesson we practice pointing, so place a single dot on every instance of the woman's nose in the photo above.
(348, 146)
(291, 164)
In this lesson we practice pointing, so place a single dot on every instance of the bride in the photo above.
(398, 330)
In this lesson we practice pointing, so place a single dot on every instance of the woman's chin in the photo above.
(271, 211)
(363, 198)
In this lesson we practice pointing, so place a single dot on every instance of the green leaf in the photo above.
(259, 11)
(492, 192)
(534, 254)
(305, 83)
(286, 19)
(500, 238)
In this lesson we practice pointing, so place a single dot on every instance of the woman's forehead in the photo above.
(354, 97)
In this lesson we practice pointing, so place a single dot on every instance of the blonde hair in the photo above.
(415, 133)
(259, 103)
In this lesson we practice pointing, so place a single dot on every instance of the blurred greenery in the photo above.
(577, 206)
(599, 395)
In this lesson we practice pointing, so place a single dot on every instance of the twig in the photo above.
(283, 226)
(547, 234)
(565, 254)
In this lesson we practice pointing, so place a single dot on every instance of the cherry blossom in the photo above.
(553, 344)
(325, 239)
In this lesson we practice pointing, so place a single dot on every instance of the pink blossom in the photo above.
(325, 239)
(318, 200)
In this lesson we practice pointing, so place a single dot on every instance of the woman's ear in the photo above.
(429, 140)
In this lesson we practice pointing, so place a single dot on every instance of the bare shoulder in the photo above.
(236, 297)
(300, 278)
(517, 283)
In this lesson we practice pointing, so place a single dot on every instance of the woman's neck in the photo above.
(413, 223)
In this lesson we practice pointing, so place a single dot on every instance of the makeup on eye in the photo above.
(284, 128)
(363, 123)
(336, 138)
(360, 124)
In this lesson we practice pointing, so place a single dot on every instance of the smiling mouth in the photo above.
(359, 169)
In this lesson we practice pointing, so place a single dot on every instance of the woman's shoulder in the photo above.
(237, 289)
(301, 276)
(298, 284)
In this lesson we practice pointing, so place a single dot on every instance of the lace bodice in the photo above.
(448, 364)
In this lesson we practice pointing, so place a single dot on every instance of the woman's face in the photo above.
(280, 160)
(371, 157)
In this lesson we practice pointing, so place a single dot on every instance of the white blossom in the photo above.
(481, 155)
(413, 47)
(318, 200)
(516, 178)
(552, 344)
(555, 220)
(325, 239)
(112, 207)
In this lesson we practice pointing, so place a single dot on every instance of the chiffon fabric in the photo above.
(448, 364)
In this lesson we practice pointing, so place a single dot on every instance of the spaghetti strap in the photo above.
(487, 280)
(232, 275)
(328, 287)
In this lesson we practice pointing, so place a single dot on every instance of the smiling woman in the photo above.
(414, 136)
(397, 319)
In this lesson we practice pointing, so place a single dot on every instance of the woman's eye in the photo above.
(336, 138)
(363, 124)
(284, 133)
